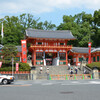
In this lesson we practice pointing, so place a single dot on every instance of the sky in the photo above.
(50, 10)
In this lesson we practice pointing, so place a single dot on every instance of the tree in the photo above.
(9, 52)
(81, 26)
(48, 26)
(12, 30)
(96, 36)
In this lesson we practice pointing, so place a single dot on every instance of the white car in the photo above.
(6, 79)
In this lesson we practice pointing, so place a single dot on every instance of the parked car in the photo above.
(6, 79)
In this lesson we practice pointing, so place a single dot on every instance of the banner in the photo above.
(17, 67)
(0, 64)
(24, 51)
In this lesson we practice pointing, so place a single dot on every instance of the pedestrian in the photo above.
(68, 66)
(71, 72)
(84, 71)
(41, 68)
(47, 70)
(76, 69)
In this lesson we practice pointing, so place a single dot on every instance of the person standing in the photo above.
(71, 74)
(76, 69)
(41, 69)
(68, 66)
(47, 70)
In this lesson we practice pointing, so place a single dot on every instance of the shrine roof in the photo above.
(58, 34)
(81, 49)
(96, 50)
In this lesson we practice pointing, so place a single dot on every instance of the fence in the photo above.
(18, 72)
(22, 76)
(71, 77)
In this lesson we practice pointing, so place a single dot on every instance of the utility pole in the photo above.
(2, 34)
(12, 66)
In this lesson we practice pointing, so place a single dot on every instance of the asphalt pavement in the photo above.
(51, 90)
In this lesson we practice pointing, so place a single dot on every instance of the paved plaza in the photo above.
(51, 90)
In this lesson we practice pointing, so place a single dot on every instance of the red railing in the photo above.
(19, 72)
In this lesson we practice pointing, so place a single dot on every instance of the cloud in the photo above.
(41, 6)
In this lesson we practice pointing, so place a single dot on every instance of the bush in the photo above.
(22, 67)
(6, 69)
(94, 65)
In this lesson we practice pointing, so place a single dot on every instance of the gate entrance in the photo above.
(50, 58)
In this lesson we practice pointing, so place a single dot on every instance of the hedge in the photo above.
(94, 65)
(22, 67)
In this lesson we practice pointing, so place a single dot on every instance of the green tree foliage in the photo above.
(85, 27)
(15, 26)
(96, 36)
(12, 30)
(94, 65)
(9, 52)
(22, 67)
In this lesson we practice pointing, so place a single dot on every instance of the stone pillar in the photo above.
(33, 74)
(95, 74)
(66, 58)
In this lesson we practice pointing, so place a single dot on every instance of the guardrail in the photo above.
(71, 77)
(88, 69)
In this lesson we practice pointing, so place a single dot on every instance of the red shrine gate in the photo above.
(47, 53)
(49, 47)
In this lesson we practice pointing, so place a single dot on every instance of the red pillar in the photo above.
(76, 60)
(89, 45)
(34, 60)
(66, 58)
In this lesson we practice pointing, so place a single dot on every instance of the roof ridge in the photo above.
(47, 30)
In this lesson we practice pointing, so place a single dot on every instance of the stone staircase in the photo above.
(53, 70)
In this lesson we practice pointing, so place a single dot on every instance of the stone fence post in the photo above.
(95, 73)
(33, 74)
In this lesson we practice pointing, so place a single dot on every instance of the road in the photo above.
(51, 90)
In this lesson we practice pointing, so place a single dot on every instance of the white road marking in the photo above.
(47, 84)
(84, 83)
(75, 82)
(94, 82)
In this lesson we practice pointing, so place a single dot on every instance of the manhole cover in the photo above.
(67, 92)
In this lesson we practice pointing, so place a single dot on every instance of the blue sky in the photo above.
(50, 10)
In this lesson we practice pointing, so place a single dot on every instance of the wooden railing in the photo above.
(43, 46)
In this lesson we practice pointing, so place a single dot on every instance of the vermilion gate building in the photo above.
(49, 47)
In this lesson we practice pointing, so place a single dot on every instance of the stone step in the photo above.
(54, 70)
